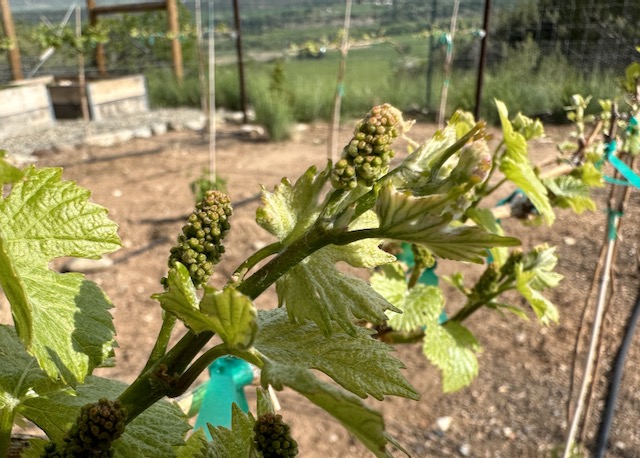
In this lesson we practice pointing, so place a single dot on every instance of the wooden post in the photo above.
(174, 30)
(10, 32)
(173, 25)
(99, 53)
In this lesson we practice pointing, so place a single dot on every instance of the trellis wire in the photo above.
(344, 50)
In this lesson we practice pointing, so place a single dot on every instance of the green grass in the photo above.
(527, 80)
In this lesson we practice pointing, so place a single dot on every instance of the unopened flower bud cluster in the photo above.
(199, 245)
(366, 157)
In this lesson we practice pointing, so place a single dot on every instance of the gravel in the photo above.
(65, 134)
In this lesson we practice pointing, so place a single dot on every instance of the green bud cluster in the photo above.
(273, 437)
(422, 257)
(508, 268)
(199, 245)
(97, 426)
(487, 282)
(366, 157)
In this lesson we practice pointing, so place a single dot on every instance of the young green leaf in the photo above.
(484, 217)
(516, 166)
(391, 282)
(231, 315)
(452, 348)
(236, 442)
(66, 325)
(362, 365)
(570, 192)
(366, 424)
(196, 446)
(21, 377)
(154, 433)
(420, 305)
(181, 299)
(316, 290)
(589, 174)
(290, 209)
(412, 219)
(543, 308)
(8, 173)
(228, 313)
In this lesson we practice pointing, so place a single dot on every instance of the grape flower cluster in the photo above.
(91, 436)
(199, 245)
(273, 437)
(366, 157)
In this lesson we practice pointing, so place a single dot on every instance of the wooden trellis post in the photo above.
(173, 27)
(9, 31)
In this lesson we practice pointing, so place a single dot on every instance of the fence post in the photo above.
(9, 30)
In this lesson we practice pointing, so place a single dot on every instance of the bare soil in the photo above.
(517, 407)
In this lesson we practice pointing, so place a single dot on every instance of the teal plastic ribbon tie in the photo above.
(340, 90)
(632, 178)
(228, 377)
(612, 216)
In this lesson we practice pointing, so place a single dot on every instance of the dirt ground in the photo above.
(517, 407)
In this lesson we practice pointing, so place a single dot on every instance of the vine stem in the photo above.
(254, 259)
(160, 347)
(170, 373)
(7, 416)
(470, 308)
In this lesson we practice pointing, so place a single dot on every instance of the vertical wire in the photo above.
(212, 97)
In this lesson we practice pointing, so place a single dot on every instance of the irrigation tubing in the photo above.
(614, 388)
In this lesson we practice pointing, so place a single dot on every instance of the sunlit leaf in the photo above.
(420, 305)
(290, 209)
(569, 192)
(484, 217)
(63, 319)
(452, 348)
(515, 165)
(231, 315)
(360, 364)
(235, 442)
(411, 219)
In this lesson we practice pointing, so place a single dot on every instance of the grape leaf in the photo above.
(232, 316)
(196, 446)
(411, 219)
(154, 433)
(452, 348)
(484, 217)
(569, 192)
(533, 275)
(236, 442)
(366, 424)
(289, 210)
(515, 165)
(543, 308)
(181, 299)
(316, 290)
(420, 305)
(228, 313)
(21, 377)
(541, 261)
(359, 363)
(391, 282)
(589, 174)
(8, 173)
(63, 319)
